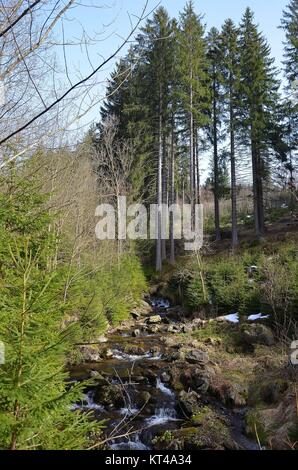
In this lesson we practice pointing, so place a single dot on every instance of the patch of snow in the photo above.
(233, 318)
(258, 316)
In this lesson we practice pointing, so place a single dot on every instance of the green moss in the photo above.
(166, 437)
(227, 335)
(200, 418)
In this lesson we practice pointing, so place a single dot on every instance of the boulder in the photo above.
(189, 402)
(142, 309)
(196, 379)
(110, 396)
(176, 356)
(172, 329)
(257, 334)
(107, 353)
(134, 350)
(213, 341)
(142, 398)
(207, 431)
(197, 357)
(154, 319)
(90, 353)
(230, 394)
(152, 329)
(155, 351)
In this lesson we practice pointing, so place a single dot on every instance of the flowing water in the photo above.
(148, 406)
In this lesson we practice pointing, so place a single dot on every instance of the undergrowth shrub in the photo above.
(106, 296)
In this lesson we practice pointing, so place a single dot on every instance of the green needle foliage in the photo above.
(35, 399)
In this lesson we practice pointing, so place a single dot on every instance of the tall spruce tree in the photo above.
(156, 41)
(290, 25)
(215, 58)
(193, 86)
(231, 85)
(258, 95)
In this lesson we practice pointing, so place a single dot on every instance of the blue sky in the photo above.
(109, 22)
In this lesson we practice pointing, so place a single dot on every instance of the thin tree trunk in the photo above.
(198, 169)
(195, 164)
(191, 146)
(260, 193)
(255, 183)
(159, 189)
(233, 179)
(172, 195)
(164, 190)
(216, 175)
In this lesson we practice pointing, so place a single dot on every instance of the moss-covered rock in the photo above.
(109, 396)
(257, 334)
(189, 402)
(207, 430)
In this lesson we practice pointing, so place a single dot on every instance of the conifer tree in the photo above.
(215, 59)
(290, 25)
(231, 85)
(258, 97)
(193, 87)
(35, 399)
(158, 57)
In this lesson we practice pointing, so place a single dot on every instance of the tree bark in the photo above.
(216, 173)
(191, 146)
(233, 179)
(159, 188)
(164, 189)
(172, 195)
(255, 182)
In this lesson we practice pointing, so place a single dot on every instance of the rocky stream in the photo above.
(137, 393)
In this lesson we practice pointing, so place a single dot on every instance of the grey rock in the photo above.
(197, 357)
(257, 334)
(154, 319)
